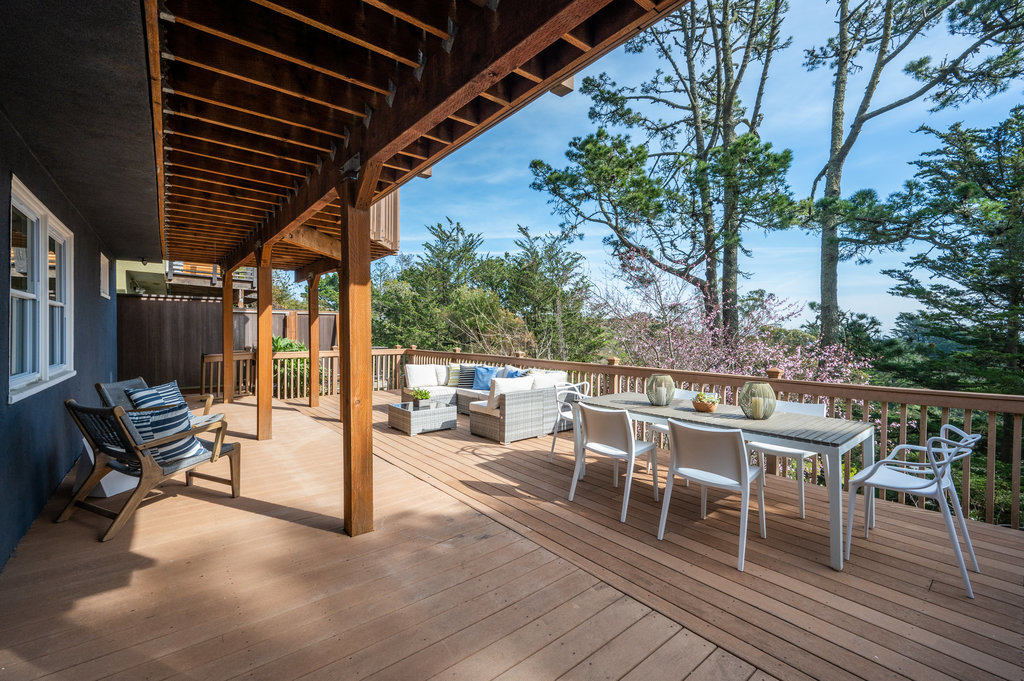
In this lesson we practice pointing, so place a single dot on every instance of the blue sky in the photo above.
(485, 185)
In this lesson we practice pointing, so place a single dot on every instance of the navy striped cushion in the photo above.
(157, 396)
(152, 425)
(466, 375)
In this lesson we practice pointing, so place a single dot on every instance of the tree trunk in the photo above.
(831, 334)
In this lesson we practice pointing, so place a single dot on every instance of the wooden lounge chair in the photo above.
(117, 445)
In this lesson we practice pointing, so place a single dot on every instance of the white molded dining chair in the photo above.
(609, 432)
(931, 479)
(565, 397)
(680, 395)
(713, 457)
(762, 448)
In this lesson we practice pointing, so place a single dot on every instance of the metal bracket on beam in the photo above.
(417, 72)
(369, 115)
(350, 169)
(392, 89)
(447, 43)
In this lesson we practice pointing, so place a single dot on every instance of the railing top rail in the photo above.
(1012, 404)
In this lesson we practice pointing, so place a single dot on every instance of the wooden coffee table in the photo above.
(411, 420)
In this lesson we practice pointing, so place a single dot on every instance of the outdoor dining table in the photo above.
(830, 437)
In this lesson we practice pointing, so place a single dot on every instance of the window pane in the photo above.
(57, 335)
(55, 269)
(21, 252)
(23, 336)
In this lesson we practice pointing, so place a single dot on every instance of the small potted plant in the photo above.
(420, 397)
(706, 402)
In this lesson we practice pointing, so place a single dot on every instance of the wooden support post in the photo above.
(313, 297)
(355, 359)
(227, 311)
(264, 344)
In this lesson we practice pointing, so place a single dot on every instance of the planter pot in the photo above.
(706, 407)
(421, 404)
(757, 400)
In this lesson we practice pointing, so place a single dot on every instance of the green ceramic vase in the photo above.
(660, 389)
(757, 400)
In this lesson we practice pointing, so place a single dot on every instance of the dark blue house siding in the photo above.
(38, 442)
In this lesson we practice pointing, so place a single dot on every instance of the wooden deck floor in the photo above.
(480, 569)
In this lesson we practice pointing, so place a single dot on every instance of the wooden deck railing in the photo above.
(901, 415)
(291, 372)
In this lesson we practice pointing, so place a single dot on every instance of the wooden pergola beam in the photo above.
(315, 241)
(316, 268)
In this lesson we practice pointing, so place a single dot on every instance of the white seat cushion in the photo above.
(469, 392)
(500, 386)
(420, 375)
(480, 407)
(439, 390)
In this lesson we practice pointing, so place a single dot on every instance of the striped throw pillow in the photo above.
(153, 425)
(453, 376)
(466, 374)
(157, 396)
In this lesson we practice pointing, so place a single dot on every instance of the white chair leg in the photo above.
(851, 507)
(703, 502)
(963, 527)
(760, 505)
(868, 493)
(652, 459)
(615, 475)
(944, 507)
(744, 510)
(625, 491)
(577, 473)
(800, 486)
(554, 438)
(664, 505)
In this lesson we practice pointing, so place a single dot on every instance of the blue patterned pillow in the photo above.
(482, 377)
(514, 373)
(157, 396)
(153, 425)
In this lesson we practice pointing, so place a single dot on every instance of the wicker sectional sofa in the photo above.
(519, 415)
(441, 391)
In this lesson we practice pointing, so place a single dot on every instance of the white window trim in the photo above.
(104, 276)
(47, 375)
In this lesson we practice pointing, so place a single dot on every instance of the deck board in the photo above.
(479, 568)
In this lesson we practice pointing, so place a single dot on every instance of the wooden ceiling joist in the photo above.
(269, 104)
(356, 23)
(183, 108)
(263, 30)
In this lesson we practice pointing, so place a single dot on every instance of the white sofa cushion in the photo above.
(548, 379)
(441, 372)
(439, 390)
(420, 376)
(469, 392)
(480, 407)
(500, 386)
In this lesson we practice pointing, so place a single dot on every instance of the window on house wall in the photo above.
(41, 323)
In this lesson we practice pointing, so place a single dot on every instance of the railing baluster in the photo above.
(1015, 474)
(901, 497)
(990, 468)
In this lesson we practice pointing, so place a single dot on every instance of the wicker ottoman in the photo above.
(410, 420)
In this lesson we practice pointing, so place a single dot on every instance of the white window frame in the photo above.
(45, 225)
(104, 276)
